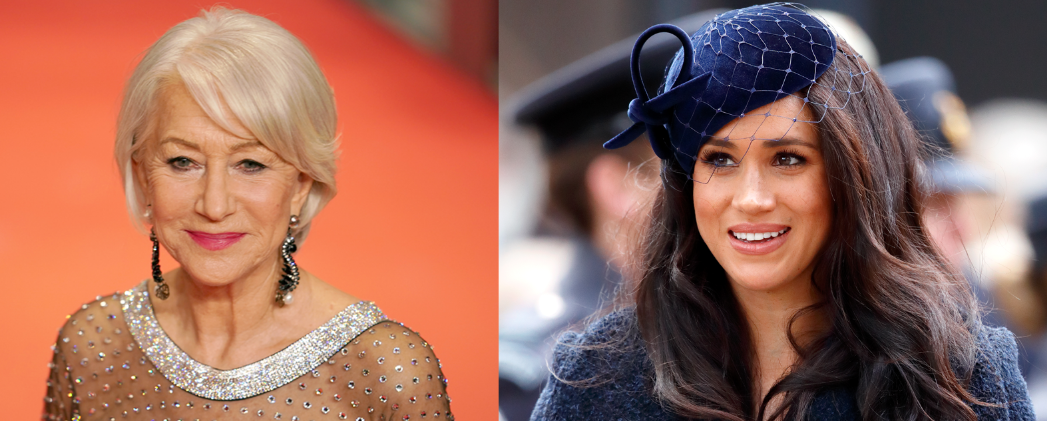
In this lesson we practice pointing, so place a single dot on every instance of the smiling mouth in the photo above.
(215, 242)
(758, 237)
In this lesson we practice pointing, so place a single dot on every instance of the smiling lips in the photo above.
(756, 239)
(215, 242)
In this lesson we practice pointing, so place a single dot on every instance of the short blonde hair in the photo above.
(263, 74)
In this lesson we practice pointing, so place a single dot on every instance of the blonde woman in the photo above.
(226, 144)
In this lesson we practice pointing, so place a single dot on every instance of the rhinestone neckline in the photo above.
(253, 379)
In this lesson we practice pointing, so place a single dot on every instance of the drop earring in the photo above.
(162, 290)
(289, 281)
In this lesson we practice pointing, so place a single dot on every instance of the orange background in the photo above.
(413, 227)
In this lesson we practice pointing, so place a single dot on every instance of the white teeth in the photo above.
(757, 236)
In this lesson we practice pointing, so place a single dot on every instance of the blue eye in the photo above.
(251, 165)
(180, 162)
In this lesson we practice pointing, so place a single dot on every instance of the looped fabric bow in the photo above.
(651, 115)
(741, 60)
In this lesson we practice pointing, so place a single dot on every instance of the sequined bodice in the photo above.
(113, 361)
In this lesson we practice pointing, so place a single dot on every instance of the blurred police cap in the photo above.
(588, 98)
(926, 90)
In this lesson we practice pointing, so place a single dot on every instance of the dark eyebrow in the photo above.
(770, 143)
(726, 144)
(788, 141)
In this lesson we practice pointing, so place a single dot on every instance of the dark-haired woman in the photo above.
(786, 270)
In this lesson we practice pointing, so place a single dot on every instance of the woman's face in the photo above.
(220, 201)
(765, 217)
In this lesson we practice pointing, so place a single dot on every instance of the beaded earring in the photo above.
(162, 290)
(289, 281)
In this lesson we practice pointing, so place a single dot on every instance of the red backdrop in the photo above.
(413, 227)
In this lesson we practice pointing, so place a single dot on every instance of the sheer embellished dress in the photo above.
(113, 361)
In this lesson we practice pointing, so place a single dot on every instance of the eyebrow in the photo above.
(785, 141)
(191, 145)
(788, 141)
(721, 143)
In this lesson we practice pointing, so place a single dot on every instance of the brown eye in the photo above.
(787, 160)
(720, 160)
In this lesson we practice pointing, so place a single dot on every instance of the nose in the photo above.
(753, 195)
(215, 202)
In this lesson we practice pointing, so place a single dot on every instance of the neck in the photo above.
(768, 314)
(212, 322)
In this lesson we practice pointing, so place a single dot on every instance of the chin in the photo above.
(757, 284)
(759, 278)
(211, 273)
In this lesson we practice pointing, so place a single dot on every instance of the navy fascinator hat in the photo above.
(739, 61)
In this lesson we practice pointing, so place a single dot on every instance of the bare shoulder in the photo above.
(396, 372)
(325, 297)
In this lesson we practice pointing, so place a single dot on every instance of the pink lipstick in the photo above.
(215, 242)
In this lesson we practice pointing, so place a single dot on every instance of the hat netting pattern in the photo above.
(742, 61)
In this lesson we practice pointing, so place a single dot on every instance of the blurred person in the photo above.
(1036, 228)
(596, 202)
(787, 272)
(1005, 254)
(226, 145)
(1013, 247)
(926, 90)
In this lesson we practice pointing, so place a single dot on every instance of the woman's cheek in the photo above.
(269, 193)
(174, 191)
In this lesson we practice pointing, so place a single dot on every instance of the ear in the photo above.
(303, 185)
(141, 184)
(606, 177)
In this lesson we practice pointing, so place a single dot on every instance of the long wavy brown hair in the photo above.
(902, 322)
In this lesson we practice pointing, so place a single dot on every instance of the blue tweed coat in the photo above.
(996, 379)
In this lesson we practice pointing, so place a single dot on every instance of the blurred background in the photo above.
(413, 225)
(969, 73)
